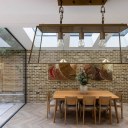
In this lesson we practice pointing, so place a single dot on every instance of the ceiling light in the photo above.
(60, 39)
(82, 2)
(60, 34)
(102, 39)
(81, 39)
(79, 28)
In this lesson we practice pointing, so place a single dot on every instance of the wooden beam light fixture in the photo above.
(86, 28)
(82, 2)
(78, 28)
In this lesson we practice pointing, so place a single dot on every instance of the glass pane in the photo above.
(12, 75)
(89, 39)
(74, 40)
(3, 43)
(124, 39)
(48, 40)
(112, 40)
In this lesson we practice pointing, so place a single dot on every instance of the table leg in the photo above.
(55, 111)
(115, 105)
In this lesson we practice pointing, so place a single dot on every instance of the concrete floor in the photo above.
(34, 116)
(7, 110)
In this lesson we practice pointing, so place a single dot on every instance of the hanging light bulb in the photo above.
(102, 39)
(60, 39)
(81, 39)
(61, 44)
(60, 34)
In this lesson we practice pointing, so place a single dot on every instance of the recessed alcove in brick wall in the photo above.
(37, 74)
(12, 77)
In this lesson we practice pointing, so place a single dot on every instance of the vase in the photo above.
(83, 88)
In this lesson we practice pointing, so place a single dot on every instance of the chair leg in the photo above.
(122, 111)
(76, 115)
(80, 110)
(99, 115)
(65, 114)
(95, 115)
(47, 112)
(83, 114)
(110, 116)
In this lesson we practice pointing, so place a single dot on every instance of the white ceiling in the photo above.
(16, 14)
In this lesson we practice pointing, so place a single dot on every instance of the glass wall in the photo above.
(12, 75)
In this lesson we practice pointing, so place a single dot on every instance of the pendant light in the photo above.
(60, 34)
(81, 39)
(102, 33)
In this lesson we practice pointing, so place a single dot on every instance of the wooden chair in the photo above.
(89, 104)
(71, 103)
(51, 103)
(105, 105)
(119, 102)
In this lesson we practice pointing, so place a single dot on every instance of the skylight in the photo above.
(89, 39)
(114, 41)
(29, 32)
(3, 44)
(48, 40)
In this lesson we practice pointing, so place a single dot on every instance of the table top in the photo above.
(97, 93)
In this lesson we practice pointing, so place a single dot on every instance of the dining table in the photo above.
(61, 94)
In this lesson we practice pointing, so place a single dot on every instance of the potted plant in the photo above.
(82, 77)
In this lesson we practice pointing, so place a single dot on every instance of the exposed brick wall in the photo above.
(37, 74)
(74, 56)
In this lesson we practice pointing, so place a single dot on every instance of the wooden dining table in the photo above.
(60, 95)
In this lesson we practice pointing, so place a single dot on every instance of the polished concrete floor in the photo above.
(7, 110)
(34, 116)
(5, 107)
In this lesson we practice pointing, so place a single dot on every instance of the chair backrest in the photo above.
(48, 96)
(105, 100)
(120, 96)
(89, 100)
(71, 100)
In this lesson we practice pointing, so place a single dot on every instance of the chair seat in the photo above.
(105, 107)
(71, 105)
(89, 107)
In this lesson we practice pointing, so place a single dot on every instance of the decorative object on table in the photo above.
(82, 77)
